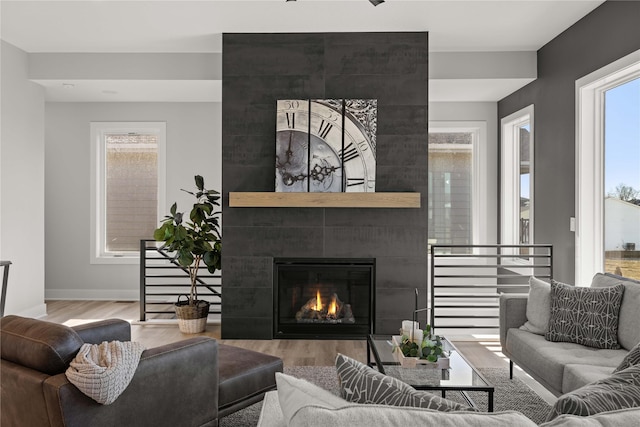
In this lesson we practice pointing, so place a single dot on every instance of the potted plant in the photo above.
(195, 241)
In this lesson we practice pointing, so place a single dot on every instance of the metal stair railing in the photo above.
(161, 278)
(466, 281)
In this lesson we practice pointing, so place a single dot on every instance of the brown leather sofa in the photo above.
(193, 382)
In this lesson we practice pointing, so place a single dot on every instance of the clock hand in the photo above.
(289, 179)
(289, 152)
(319, 173)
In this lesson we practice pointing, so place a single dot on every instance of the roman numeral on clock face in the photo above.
(291, 120)
(349, 153)
(351, 182)
(324, 128)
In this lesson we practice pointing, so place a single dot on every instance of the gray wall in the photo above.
(608, 33)
(22, 184)
(259, 69)
(193, 147)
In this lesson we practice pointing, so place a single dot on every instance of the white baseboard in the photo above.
(90, 294)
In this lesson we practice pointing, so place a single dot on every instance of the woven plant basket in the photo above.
(192, 319)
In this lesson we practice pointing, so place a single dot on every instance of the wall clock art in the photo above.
(326, 145)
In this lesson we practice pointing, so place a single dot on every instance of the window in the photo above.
(127, 188)
(596, 175)
(517, 179)
(454, 183)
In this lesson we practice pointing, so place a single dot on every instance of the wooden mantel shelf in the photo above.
(323, 200)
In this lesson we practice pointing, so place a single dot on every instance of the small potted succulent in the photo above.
(194, 241)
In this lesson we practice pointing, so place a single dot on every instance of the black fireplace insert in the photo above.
(323, 297)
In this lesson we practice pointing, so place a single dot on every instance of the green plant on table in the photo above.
(430, 348)
(197, 240)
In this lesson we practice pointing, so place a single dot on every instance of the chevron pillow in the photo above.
(587, 316)
(362, 384)
(618, 391)
(631, 359)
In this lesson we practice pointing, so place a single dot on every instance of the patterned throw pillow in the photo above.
(631, 359)
(618, 391)
(587, 316)
(362, 384)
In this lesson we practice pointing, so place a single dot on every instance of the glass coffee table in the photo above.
(461, 376)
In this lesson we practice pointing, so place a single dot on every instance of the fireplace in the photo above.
(323, 297)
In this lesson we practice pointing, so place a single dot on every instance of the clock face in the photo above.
(325, 145)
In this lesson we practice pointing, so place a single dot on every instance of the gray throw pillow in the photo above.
(632, 358)
(618, 391)
(587, 316)
(362, 384)
(538, 307)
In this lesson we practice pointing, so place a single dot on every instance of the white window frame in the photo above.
(98, 255)
(590, 192)
(480, 181)
(510, 179)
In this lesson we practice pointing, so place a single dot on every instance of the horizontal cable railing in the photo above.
(163, 280)
(467, 280)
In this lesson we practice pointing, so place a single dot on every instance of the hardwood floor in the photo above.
(482, 354)
(292, 352)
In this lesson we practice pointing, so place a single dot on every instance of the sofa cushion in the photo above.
(362, 384)
(380, 415)
(618, 391)
(538, 307)
(270, 413)
(306, 405)
(587, 316)
(628, 330)
(295, 393)
(577, 375)
(44, 346)
(619, 418)
(244, 374)
(632, 358)
(547, 359)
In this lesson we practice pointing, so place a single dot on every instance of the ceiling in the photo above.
(84, 26)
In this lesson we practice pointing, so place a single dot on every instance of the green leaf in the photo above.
(174, 208)
(158, 234)
(178, 218)
(199, 182)
(207, 207)
(180, 233)
(185, 258)
(212, 260)
(432, 358)
(196, 214)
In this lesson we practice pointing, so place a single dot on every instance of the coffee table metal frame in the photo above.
(384, 357)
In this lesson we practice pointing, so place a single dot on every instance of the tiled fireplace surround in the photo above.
(259, 69)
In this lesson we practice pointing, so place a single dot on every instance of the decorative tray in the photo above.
(412, 362)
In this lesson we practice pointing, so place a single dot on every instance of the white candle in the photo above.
(408, 326)
(417, 335)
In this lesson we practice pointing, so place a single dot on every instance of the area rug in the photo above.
(509, 395)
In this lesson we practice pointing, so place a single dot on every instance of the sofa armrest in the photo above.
(174, 385)
(513, 313)
(104, 330)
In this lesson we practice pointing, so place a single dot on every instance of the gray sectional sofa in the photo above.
(563, 367)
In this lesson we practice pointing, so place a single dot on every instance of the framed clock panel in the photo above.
(326, 145)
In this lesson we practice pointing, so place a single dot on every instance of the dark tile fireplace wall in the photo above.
(259, 69)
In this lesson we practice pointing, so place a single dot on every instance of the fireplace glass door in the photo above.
(323, 298)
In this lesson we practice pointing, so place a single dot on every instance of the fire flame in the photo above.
(332, 306)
